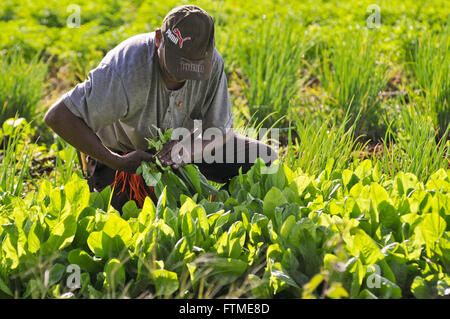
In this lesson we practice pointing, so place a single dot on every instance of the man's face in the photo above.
(162, 62)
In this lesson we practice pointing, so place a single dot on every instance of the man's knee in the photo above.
(255, 149)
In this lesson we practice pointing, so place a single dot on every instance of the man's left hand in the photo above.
(167, 158)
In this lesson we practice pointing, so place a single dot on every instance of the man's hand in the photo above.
(166, 158)
(131, 161)
(180, 153)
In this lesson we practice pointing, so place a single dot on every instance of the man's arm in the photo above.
(75, 131)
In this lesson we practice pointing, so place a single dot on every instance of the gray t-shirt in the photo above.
(125, 96)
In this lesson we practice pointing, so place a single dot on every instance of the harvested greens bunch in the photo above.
(187, 180)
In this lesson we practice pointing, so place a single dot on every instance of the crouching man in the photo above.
(168, 78)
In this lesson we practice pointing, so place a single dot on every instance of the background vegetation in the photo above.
(364, 181)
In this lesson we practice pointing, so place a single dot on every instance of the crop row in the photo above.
(278, 233)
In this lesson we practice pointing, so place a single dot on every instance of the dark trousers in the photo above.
(239, 152)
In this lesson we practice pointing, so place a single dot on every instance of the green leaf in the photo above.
(150, 176)
(377, 173)
(114, 274)
(113, 239)
(364, 169)
(422, 288)
(95, 244)
(45, 187)
(61, 235)
(366, 294)
(33, 289)
(56, 273)
(235, 248)
(162, 201)
(57, 202)
(443, 286)
(363, 244)
(4, 287)
(312, 285)
(148, 214)
(378, 193)
(228, 266)
(278, 178)
(166, 282)
(187, 225)
(274, 252)
(274, 198)
(85, 227)
(349, 179)
(34, 243)
(130, 210)
(116, 226)
(77, 193)
(432, 228)
(405, 183)
(221, 221)
(94, 293)
(194, 177)
(284, 277)
(287, 226)
(84, 260)
(336, 291)
(440, 174)
(202, 219)
(355, 267)
(389, 290)
(303, 184)
(10, 256)
(256, 233)
(389, 217)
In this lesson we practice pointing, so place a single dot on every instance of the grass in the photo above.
(270, 61)
(352, 75)
(431, 68)
(21, 85)
(414, 150)
(15, 158)
(319, 142)
(66, 162)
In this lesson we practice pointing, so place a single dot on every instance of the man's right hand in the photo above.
(131, 161)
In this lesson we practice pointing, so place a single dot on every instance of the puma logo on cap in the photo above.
(178, 39)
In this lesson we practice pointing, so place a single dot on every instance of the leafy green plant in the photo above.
(341, 233)
(184, 180)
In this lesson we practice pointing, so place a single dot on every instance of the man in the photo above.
(164, 79)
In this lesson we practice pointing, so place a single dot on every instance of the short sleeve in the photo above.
(218, 107)
(100, 100)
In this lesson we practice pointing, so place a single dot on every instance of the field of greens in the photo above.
(358, 205)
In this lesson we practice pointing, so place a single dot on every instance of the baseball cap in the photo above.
(188, 33)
